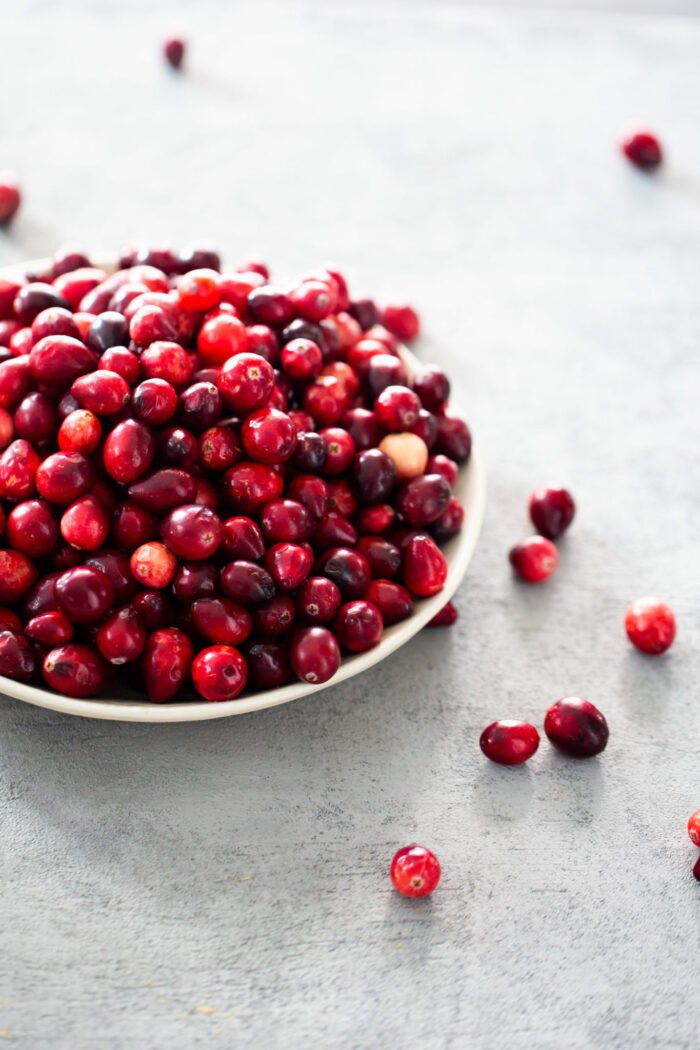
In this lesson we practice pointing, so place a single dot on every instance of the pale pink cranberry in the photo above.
(408, 452)
(650, 625)
(153, 565)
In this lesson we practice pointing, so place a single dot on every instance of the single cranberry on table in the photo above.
(534, 559)
(650, 625)
(174, 51)
(415, 871)
(10, 198)
(447, 616)
(219, 673)
(694, 828)
(508, 742)
(576, 727)
(552, 511)
(314, 655)
(644, 150)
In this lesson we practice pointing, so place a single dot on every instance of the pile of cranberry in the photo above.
(206, 477)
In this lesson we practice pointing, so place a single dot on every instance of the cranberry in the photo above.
(221, 621)
(32, 529)
(85, 524)
(311, 492)
(440, 464)
(15, 377)
(694, 828)
(377, 519)
(365, 312)
(17, 659)
(67, 259)
(57, 360)
(269, 436)
(84, 594)
(359, 626)
(50, 629)
(101, 392)
(122, 361)
(155, 610)
(384, 370)
(219, 448)
(117, 568)
(250, 485)
(80, 431)
(246, 382)
(341, 497)
(268, 305)
(408, 453)
(7, 428)
(315, 655)
(552, 511)
(454, 438)
(10, 198)
(200, 406)
(199, 290)
(166, 664)
(318, 600)
(122, 638)
(166, 361)
(35, 297)
(450, 522)
(268, 665)
(78, 285)
(221, 337)
(310, 452)
(326, 399)
(393, 601)
(289, 564)
(174, 51)
(650, 625)
(75, 670)
(424, 499)
(534, 559)
(153, 565)
(340, 450)
(163, 490)
(334, 530)
(302, 359)
(447, 616)
(432, 386)
(150, 324)
(348, 569)
(262, 340)
(373, 475)
(54, 321)
(132, 525)
(64, 476)
(154, 401)
(41, 597)
(397, 408)
(247, 583)
(198, 259)
(178, 447)
(285, 519)
(696, 869)
(313, 300)
(192, 532)
(576, 727)
(424, 567)
(19, 466)
(509, 743)
(345, 375)
(242, 539)
(383, 557)
(195, 579)
(415, 871)
(274, 617)
(108, 329)
(643, 149)
(219, 673)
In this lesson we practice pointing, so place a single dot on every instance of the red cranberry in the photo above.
(262, 340)
(340, 450)
(432, 386)
(453, 438)
(236, 287)
(122, 638)
(219, 448)
(7, 428)
(199, 290)
(359, 626)
(440, 464)
(195, 579)
(310, 491)
(41, 597)
(363, 427)
(84, 594)
(643, 149)
(285, 519)
(198, 259)
(447, 616)
(334, 530)
(153, 565)
(219, 673)
(150, 324)
(315, 655)
(132, 525)
(274, 617)
(242, 539)
(348, 569)
(166, 664)
(156, 611)
(122, 361)
(64, 476)
(383, 557)
(154, 401)
(57, 360)
(269, 436)
(108, 329)
(80, 431)
(268, 305)
(247, 583)
(174, 51)
(268, 665)
(221, 621)
(552, 511)
(192, 531)
(313, 300)
(424, 567)
(9, 287)
(200, 406)
(650, 625)
(50, 629)
(509, 743)
(377, 519)
(694, 828)
(345, 375)
(54, 321)
(36, 419)
(576, 727)
(289, 564)
(222, 337)
(166, 361)
(534, 559)
(246, 382)
(15, 377)
(415, 871)
(10, 198)
(32, 529)
(67, 259)
(101, 392)
(17, 659)
(373, 475)
(78, 284)
(85, 524)
(163, 489)
(318, 600)
(450, 522)
(19, 466)
(696, 869)
(75, 670)
(393, 601)
(326, 399)
(397, 408)
(384, 370)
(250, 485)
(178, 447)
(424, 499)
(302, 359)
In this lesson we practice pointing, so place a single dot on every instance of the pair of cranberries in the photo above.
(206, 478)
(573, 725)
(551, 511)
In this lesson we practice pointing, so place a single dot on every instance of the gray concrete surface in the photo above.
(226, 884)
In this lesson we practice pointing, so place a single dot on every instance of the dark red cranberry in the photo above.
(315, 655)
(326, 399)
(198, 259)
(424, 567)
(348, 569)
(415, 871)
(242, 539)
(440, 464)
(310, 452)
(166, 664)
(178, 447)
(270, 306)
(192, 531)
(36, 419)
(132, 526)
(383, 557)
(285, 519)
(426, 428)
(534, 559)
(263, 341)
(268, 665)
(289, 564)
(275, 617)
(84, 594)
(219, 673)
(115, 565)
(174, 51)
(75, 670)
(393, 601)
(576, 727)
(67, 259)
(509, 743)
(552, 511)
(359, 626)
(156, 611)
(10, 199)
(151, 323)
(50, 629)
(122, 637)
(195, 579)
(17, 658)
(365, 312)
(424, 499)
(269, 436)
(163, 489)
(385, 370)
(154, 402)
(310, 491)
(108, 329)
(650, 625)
(454, 438)
(432, 386)
(247, 583)
(250, 485)
(64, 476)
(200, 406)
(41, 597)
(643, 149)
(35, 297)
(450, 522)
(696, 870)
(447, 616)
(373, 475)
(318, 600)
(58, 360)
(221, 621)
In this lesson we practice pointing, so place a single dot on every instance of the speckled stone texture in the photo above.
(226, 883)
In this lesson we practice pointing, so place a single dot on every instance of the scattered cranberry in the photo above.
(576, 727)
(650, 625)
(509, 743)
(534, 559)
(643, 149)
(10, 198)
(552, 511)
(694, 828)
(174, 51)
(447, 616)
(415, 871)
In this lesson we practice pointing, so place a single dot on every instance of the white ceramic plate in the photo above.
(470, 490)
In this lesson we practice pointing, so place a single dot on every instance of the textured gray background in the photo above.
(225, 883)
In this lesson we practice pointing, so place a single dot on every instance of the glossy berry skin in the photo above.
(122, 637)
(315, 655)
(415, 871)
(424, 499)
(447, 616)
(32, 529)
(80, 431)
(424, 567)
(247, 583)
(85, 595)
(75, 670)
(318, 600)
(289, 564)
(397, 408)
(153, 565)
(17, 575)
(302, 359)
(221, 621)
(166, 664)
(85, 524)
(696, 870)
(509, 743)
(50, 629)
(359, 626)
(269, 436)
(534, 559)
(393, 601)
(219, 673)
(694, 828)
(275, 617)
(17, 657)
(64, 476)
(268, 664)
(576, 727)
(349, 569)
(551, 511)
(174, 52)
(432, 386)
(246, 382)
(192, 532)
(453, 438)
(650, 625)
(373, 475)
(643, 149)
(249, 486)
